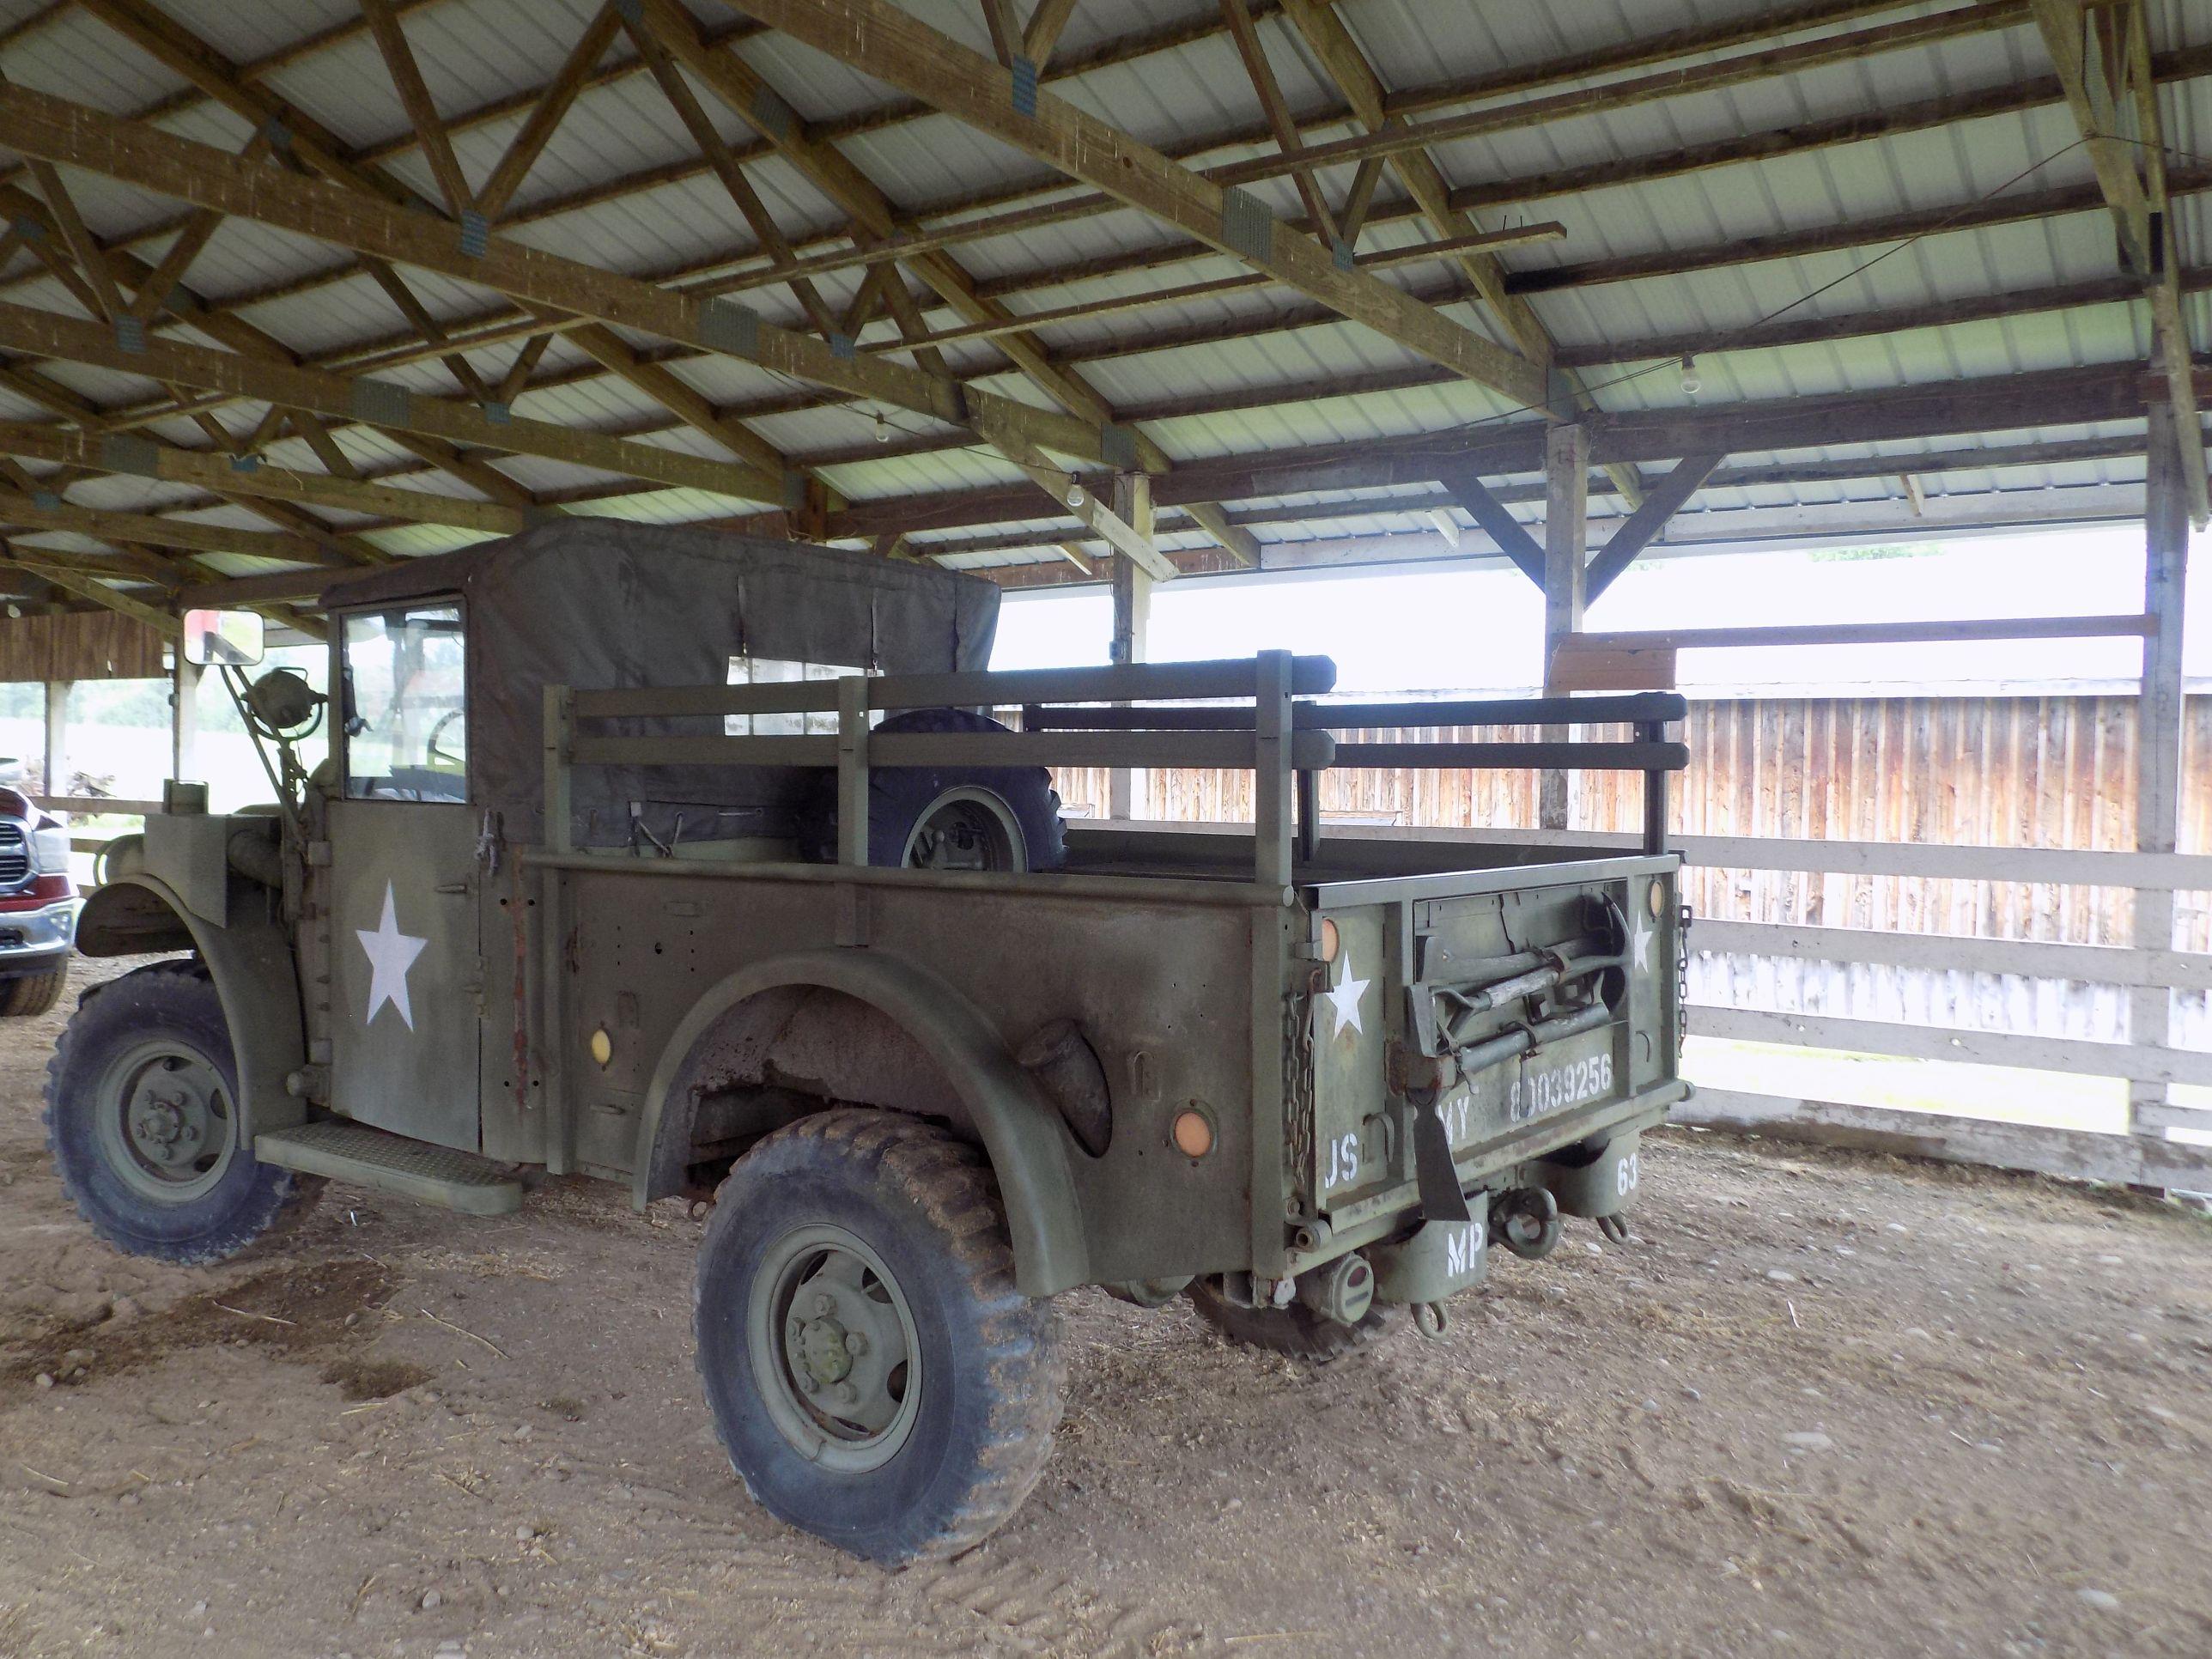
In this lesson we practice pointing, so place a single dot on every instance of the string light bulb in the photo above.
(1075, 497)
(883, 429)
(1689, 381)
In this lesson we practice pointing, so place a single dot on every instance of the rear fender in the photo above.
(1020, 1127)
(251, 963)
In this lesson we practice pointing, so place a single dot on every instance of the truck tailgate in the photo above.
(1526, 1009)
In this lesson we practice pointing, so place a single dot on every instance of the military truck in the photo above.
(694, 863)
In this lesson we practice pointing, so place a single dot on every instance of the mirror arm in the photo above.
(233, 682)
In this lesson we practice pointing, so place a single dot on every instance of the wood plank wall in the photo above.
(2006, 771)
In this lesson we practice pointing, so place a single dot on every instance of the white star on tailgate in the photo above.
(1640, 941)
(391, 954)
(1344, 998)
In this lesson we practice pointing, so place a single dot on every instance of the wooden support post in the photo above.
(184, 717)
(57, 758)
(1126, 794)
(2159, 715)
(1566, 473)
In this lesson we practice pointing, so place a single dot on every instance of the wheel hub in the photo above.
(840, 1341)
(166, 1121)
(821, 1352)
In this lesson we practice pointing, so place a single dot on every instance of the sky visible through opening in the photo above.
(1414, 630)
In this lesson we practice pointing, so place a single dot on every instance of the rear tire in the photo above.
(32, 994)
(142, 1123)
(874, 1374)
(1297, 1331)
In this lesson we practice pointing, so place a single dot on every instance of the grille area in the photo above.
(15, 854)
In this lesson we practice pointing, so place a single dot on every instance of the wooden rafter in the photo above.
(48, 334)
(881, 41)
(1239, 15)
(221, 475)
(161, 161)
(2107, 76)
(547, 112)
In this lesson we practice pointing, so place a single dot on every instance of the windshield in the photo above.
(407, 723)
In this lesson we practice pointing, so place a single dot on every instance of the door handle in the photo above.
(453, 889)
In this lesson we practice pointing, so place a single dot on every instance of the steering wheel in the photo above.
(431, 752)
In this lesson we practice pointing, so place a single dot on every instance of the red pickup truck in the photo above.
(38, 907)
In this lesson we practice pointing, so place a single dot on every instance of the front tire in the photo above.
(1297, 1330)
(874, 1374)
(28, 995)
(144, 1126)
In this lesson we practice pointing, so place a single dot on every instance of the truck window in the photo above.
(406, 721)
(767, 671)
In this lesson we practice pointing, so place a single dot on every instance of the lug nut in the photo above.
(847, 1393)
(807, 1383)
(856, 1344)
(825, 1305)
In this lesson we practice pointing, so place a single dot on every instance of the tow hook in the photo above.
(1526, 1220)
(1613, 1227)
(1429, 1319)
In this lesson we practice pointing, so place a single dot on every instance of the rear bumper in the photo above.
(33, 941)
(1516, 1160)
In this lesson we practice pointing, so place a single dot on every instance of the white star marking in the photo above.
(391, 954)
(1344, 998)
(1640, 941)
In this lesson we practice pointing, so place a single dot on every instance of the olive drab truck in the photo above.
(695, 863)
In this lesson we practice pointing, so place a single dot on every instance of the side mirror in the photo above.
(234, 639)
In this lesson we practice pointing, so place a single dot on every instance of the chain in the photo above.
(1682, 980)
(1298, 1090)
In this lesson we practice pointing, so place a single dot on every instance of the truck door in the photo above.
(401, 881)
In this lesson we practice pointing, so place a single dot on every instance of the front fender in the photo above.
(251, 963)
(1021, 1128)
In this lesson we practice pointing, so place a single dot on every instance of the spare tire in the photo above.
(1004, 819)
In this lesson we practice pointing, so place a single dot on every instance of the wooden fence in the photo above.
(1938, 878)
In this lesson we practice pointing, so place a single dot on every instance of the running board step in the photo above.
(394, 1164)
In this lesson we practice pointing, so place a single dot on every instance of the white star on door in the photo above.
(391, 954)
(1344, 998)
(1640, 941)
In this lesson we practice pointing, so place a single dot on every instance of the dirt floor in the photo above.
(1816, 1405)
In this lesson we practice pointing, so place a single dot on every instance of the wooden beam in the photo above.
(1510, 537)
(215, 472)
(877, 38)
(98, 592)
(1277, 109)
(547, 112)
(2130, 171)
(742, 88)
(48, 334)
(421, 109)
(1641, 527)
(81, 136)
(1042, 33)
(31, 511)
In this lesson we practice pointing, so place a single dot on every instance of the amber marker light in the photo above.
(603, 1046)
(1194, 1132)
(1330, 944)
